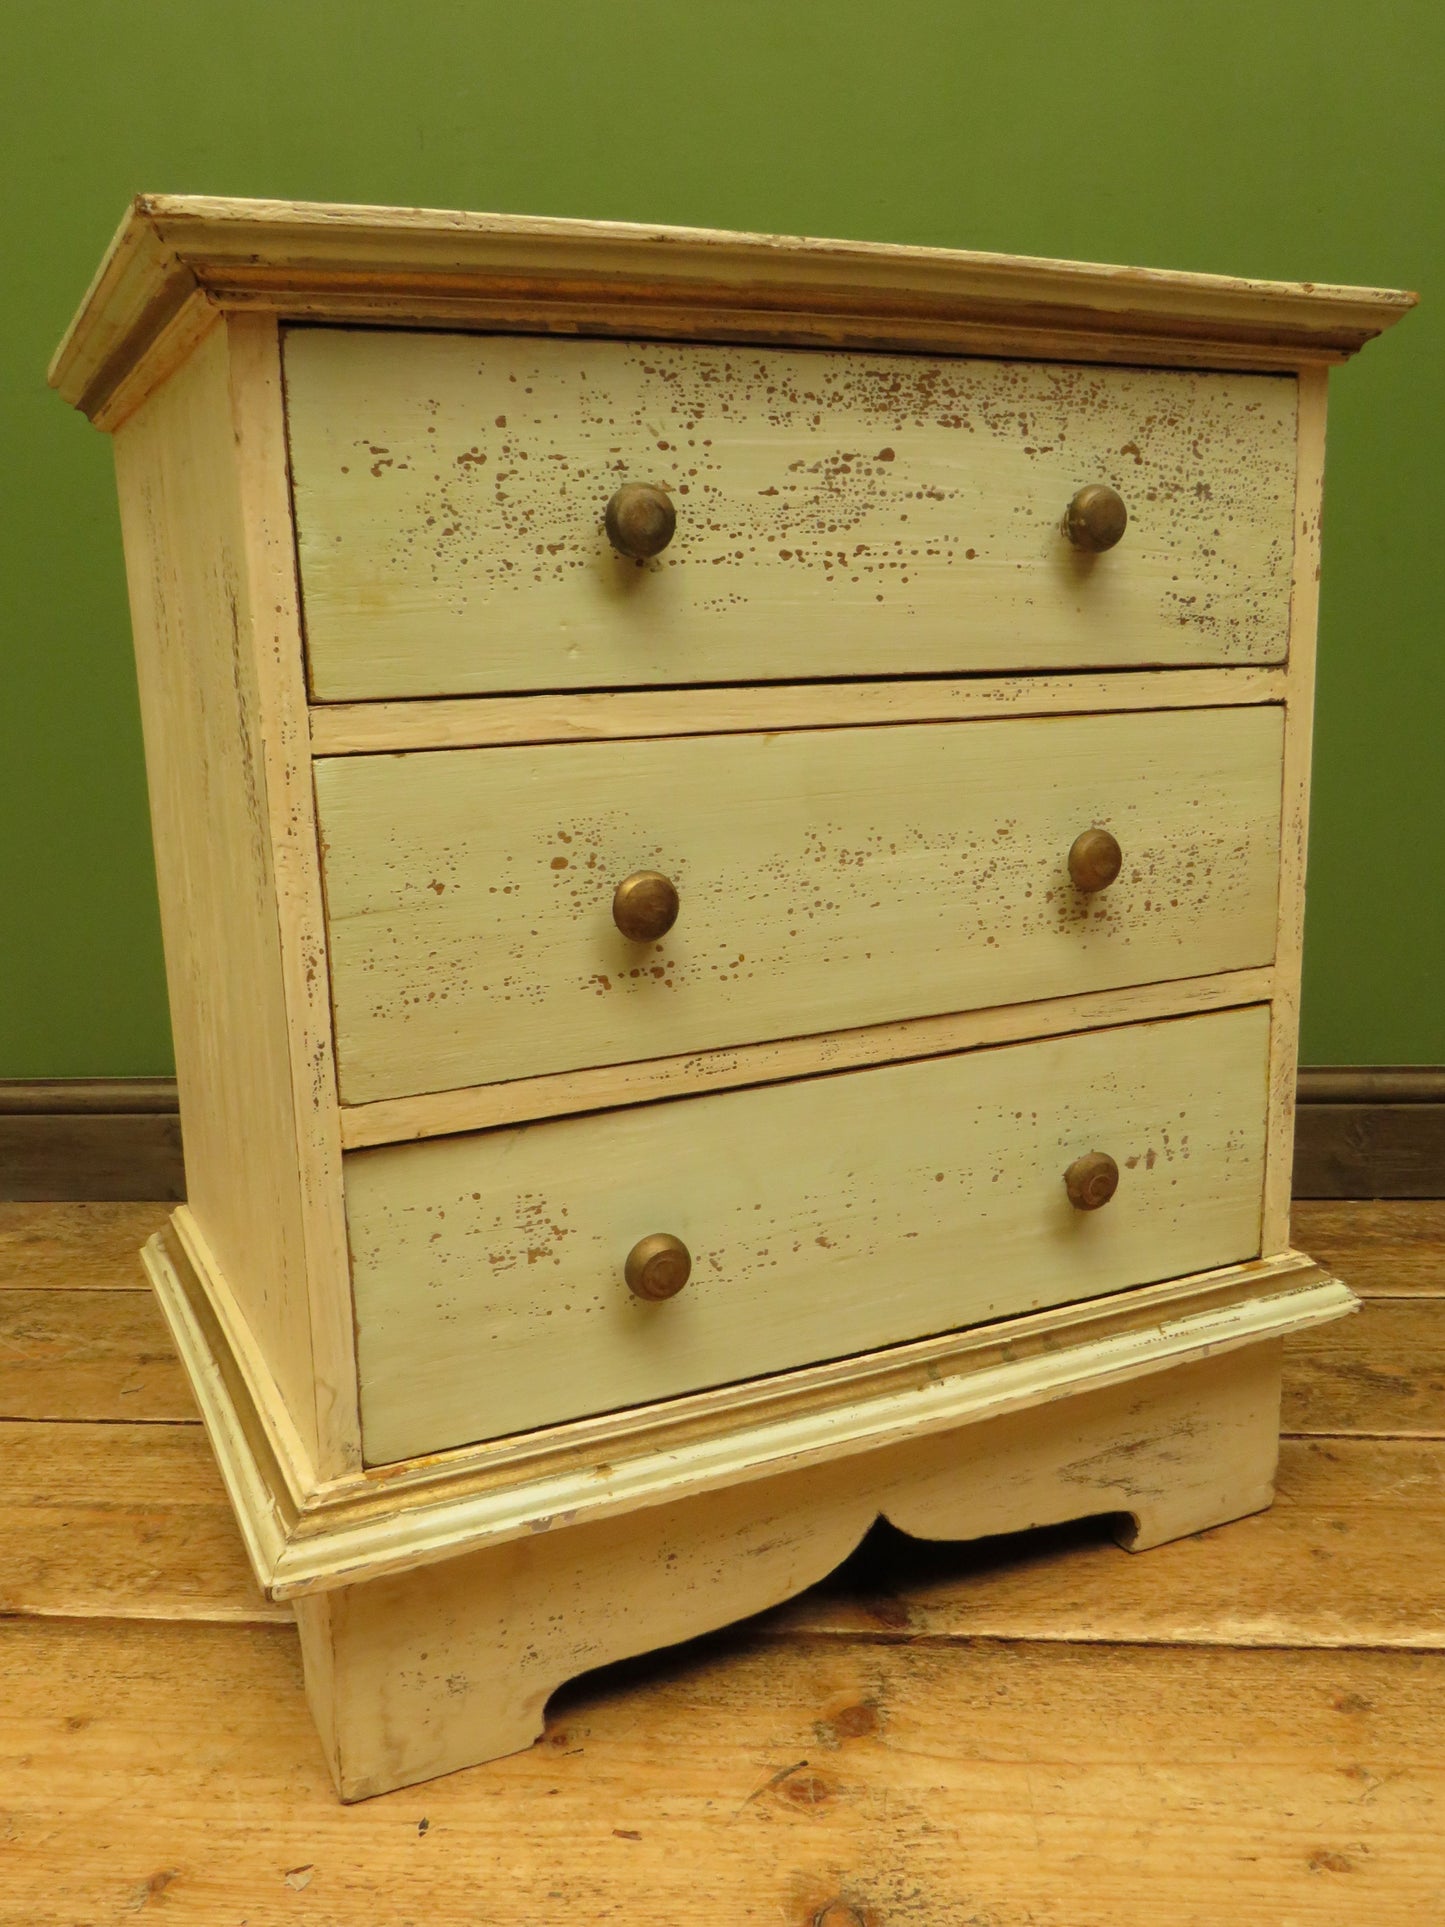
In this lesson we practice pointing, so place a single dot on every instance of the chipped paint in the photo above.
(827, 878)
(826, 1217)
(833, 510)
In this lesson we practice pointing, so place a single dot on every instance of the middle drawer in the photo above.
(825, 879)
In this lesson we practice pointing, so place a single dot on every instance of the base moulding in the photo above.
(441, 1602)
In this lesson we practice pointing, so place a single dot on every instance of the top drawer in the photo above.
(837, 514)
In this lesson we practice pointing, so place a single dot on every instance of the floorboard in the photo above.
(102, 1355)
(1391, 1247)
(122, 1521)
(743, 1781)
(75, 1247)
(1378, 1373)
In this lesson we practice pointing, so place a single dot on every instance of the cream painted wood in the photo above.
(414, 1676)
(226, 1343)
(405, 265)
(273, 609)
(828, 879)
(824, 1218)
(1295, 810)
(482, 1107)
(421, 1511)
(852, 1372)
(837, 514)
(119, 396)
(474, 722)
(242, 1410)
(212, 669)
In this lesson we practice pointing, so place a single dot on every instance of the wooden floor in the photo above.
(1042, 1731)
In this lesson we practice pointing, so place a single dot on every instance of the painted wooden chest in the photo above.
(730, 816)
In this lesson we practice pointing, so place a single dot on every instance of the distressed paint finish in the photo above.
(208, 715)
(869, 527)
(481, 1107)
(417, 1675)
(597, 715)
(829, 879)
(838, 514)
(409, 266)
(1294, 824)
(825, 1218)
(613, 1463)
(210, 555)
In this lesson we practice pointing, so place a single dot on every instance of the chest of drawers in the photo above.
(730, 824)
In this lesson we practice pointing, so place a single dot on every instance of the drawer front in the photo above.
(826, 879)
(837, 514)
(826, 1217)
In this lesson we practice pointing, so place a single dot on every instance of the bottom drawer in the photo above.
(825, 1217)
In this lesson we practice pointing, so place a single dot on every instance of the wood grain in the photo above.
(1059, 1786)
(74, 1354)
(328, 1431)
(201, 455)
(1260, 1784)
(65, 1139)
(88, 1355)
(106, 1156)
(1381, 1374)
(1370, 1151)
(120, 1521)
(75, 1246)
(1372, 1084)
(855, 876)
(836, 1179)
(81, 1251)
(86, 1096)
(1382, 1248)
(449, 496)
(421, 1511)
(127, 382)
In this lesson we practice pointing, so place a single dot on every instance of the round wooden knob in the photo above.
(640, 520)
(1094, 861)
(1091, 1180)
(645, 906)
(1096, 518)
(657, 1267)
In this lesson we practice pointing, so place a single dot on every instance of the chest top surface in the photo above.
(178, 258)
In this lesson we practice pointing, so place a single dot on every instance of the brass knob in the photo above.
(1094, 861)
(657, 1267)
(640, 520)
(1096, 518)
(645, 906)
(1090, 1181)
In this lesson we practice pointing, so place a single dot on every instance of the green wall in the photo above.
(1292, 138)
